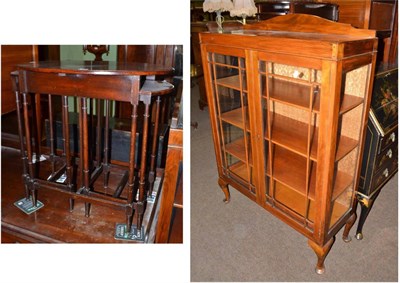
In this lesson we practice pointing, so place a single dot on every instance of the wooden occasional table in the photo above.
(86, 173)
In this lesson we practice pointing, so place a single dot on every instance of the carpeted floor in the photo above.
(241, 241)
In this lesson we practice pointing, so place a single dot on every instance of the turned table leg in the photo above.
(142, 171)
(225, 189)
(131, 178)
(67, 149)
(84, 152)
(321, 252)
(106, 149)
(28, 181)
(21, 140)
(152, 172)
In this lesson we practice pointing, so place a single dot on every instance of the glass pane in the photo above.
(290, 105)
(229, 85)
(348, 141)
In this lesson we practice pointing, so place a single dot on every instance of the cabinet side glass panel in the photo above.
(352, 110)
(231, 104)
(290, 105)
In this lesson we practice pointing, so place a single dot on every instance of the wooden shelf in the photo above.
(293, 134)
(349, 102)
(233, 82)
(291, 93)
(298, 95)
(235, 117)
(156, 87)
(240, 170)
(297, 203)
(237, 149)
(290, 170)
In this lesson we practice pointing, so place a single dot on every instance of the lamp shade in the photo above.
(243, 8)
(217, 5)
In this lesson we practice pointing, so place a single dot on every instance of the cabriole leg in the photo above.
(348, 226)
(366, 205)
(225, 189)
(321, 252)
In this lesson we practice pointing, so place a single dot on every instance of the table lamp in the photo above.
(243, 8)
(218, 6)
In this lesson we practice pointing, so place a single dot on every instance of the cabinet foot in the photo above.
(346, 238)
(225, 189)
(321, 252)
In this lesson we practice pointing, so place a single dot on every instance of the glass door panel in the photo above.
(290, 104)
(348, 140)
(231, 103)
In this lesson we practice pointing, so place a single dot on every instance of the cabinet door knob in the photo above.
(393, 137)
(297, 74)
(386, 173)
(389, 153)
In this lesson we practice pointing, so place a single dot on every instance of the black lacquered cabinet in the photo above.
(380, 161)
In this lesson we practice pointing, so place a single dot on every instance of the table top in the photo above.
(96, 68)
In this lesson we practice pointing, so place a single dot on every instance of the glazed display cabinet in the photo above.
(289, 100)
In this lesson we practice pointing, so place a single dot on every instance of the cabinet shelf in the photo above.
(291, 93)
(294, 176)
(293, 134)
(233, 82)
(235, 117)
(296, 202)
(298, 95)
(237, 149)
(240, 169)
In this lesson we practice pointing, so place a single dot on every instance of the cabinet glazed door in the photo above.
(294, 114)
(231, 125)
(289, 98)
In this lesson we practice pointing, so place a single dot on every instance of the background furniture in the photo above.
(11, 55)
(324, 10)
(171, 203)
(270, 9)
(276, 101)
(379, 15)
(380, 158)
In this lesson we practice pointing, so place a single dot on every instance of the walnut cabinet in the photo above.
(289, 100)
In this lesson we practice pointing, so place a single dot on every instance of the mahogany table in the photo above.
(87, 174)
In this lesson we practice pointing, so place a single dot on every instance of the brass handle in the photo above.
(393, 137)
(386, 173)
(389, 153)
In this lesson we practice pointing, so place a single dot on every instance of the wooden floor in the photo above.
(54, 222)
